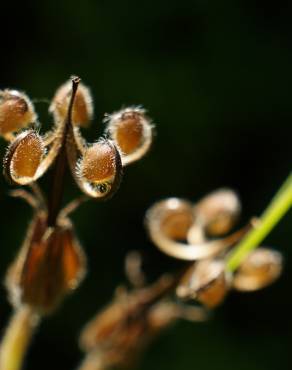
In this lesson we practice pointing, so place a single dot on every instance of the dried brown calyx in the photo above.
(97, 167)
(50, 263)
(122, 330)
(196, 233)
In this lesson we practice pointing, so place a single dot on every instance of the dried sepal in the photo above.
(49, 266)
(218, 211)
(23, 158)
(99, 170)
(206, 282)
(260, 269)
(168, 238)
(16, 112)
(131, 129)
(82, 111)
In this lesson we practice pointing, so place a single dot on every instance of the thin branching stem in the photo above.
(278, 207)
(17, 338)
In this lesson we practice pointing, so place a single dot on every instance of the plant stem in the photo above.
(17, 338)
(278, 207)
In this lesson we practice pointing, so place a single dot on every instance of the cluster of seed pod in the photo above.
(51, 262)
(118, 334)
(196, 233)
(96, 167)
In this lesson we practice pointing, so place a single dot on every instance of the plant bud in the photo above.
(218, 211)
(16, 111)
(82, 112)
(24, 157)
(132, 132)
(261, 268)
(206, 281)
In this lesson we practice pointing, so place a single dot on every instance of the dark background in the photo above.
(216, 78)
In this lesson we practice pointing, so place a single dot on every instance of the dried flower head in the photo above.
(16, 112)
(97, 167)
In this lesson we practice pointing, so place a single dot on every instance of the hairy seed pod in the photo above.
(98, 163)
(261, 268)
(132, 131)
(82, 108)
(206, 281)
(16, 111)
(23, 157)
(218, 211)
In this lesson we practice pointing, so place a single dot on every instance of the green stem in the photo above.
(278, 207)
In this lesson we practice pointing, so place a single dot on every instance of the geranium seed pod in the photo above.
(23, 157)
(206, 281)
(175, 217)
(132, 131)
(261, 268)
(218, 211)
(16, 111)
(82, 108)
(100, 169)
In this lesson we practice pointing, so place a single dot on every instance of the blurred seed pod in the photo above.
(218, 211)
(49, 266)
(82, 112)
(99, 170)
(132, 131)
(171, 222)
(23, 158)
(16, 111)
(260, 269)
(205, 281)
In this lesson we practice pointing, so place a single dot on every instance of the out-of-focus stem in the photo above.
(17, 337)
(278, 207)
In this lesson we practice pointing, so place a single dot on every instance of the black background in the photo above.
(216, 78)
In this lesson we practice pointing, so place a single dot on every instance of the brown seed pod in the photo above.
(24, 157)
(261, 268)
(169, 222)
(132, 131)
(16, 111)
(206, 281)
(218, 211)
(50, 265)
(82, 108)
(99, 170)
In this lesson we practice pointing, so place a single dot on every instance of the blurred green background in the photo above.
(216, 78)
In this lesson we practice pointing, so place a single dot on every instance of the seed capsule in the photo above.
(23, 157)
(98, 164)
(132, 132)
(261, 268)
(206, 281)
(82, 108)
(218, 211)
(16, 111)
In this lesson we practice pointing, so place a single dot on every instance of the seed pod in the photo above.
(16, 111)
(99, 168)
(23, 158)
(218, 211)
(132, 131)
(174, 216)
(50, 265)
(82, 108)
(206, 281)
(261, 268)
